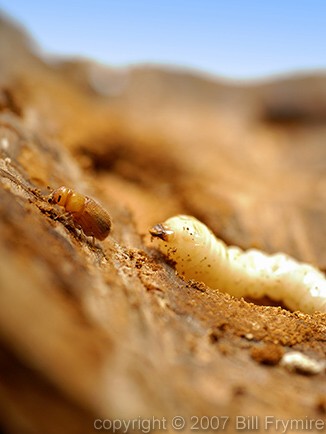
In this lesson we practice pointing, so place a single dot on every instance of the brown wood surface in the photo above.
(110, 331)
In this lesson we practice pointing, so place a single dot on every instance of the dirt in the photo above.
(110, 331)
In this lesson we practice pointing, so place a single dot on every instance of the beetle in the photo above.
(86, 213)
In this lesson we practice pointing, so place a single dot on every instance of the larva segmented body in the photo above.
(199, 255)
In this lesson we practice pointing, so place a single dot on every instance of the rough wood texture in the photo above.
(109, 331)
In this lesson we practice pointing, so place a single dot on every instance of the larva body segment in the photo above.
(85, 212)
(199, 255)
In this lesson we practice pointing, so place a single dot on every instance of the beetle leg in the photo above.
(64, 215)
(80, 232)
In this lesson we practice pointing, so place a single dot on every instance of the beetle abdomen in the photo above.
(94, 220)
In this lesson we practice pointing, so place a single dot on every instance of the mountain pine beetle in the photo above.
(86, 214)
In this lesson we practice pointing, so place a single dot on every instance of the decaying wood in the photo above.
(110, 331)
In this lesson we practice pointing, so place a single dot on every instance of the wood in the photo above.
(109, 331)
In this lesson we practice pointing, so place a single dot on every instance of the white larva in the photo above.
(199, 255)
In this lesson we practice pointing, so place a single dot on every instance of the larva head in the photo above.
(161, 231)
(179, 234)
(183, 226)
(60, 196)
(187, 242)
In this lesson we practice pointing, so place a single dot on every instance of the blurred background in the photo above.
(233, 39)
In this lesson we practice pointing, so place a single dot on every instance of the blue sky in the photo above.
(239, 39)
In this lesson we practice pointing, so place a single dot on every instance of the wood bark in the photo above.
(110, 331)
